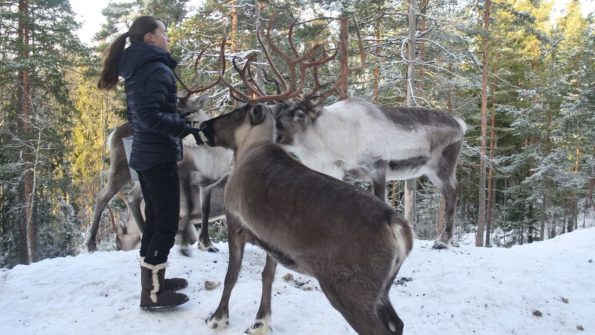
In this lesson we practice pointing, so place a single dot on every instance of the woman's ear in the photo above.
(258, 114)
(149, 38)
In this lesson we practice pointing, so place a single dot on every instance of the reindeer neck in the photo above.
(250, 136)
(246, 148)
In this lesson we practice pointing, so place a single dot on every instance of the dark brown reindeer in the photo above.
(349, 240)
(200, 169)
(355, 140)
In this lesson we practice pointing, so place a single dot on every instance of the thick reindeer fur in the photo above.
(118, 176)
(202, 170)
(357, 140)
(348, 239)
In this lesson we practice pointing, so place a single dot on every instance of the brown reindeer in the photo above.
(348, 239)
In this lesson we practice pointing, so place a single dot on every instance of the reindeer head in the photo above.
(292, 118)
(248, 124)
(193, 108)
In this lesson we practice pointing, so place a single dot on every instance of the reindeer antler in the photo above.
(297, 66)
(197, 88)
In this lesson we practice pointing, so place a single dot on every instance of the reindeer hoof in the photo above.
(186, 252)
(260, 327)
(439, 245)
(214, 323)
(207, 247)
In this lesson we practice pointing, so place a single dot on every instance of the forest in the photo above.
(517, 72)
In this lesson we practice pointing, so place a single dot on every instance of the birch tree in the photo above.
(411, 185)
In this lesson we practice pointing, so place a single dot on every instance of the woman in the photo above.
(150, 85)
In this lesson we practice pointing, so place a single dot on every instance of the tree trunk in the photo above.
(546, 180)
(234, 26)
(441, 217)
(553, 230)
(484, 106)
(421, 26)
(491, 188)
(233, 35)
(410, 185)
(26, 227)
(591, 186)
(343, 59)
(376, 79)
(259, 58)
(542, 217)
(570, 225)
(442, 211)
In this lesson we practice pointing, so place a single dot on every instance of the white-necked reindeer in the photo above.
(349, 240)
(357, 140)
(200, 169)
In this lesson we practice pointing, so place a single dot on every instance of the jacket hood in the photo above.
(139, 54)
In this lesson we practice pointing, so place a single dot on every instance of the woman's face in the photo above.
(158, 38)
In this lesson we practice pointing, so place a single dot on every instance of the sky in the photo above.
(541, 288)
(89, 14)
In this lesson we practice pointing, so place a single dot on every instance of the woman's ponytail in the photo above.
(111, 57)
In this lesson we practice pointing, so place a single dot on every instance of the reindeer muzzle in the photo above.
(206, 133)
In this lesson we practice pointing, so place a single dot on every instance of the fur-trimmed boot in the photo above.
(153, 296)
(171, 284)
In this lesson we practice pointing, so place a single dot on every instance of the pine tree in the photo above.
(35, 124)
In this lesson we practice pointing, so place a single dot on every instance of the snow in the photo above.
(540, 288)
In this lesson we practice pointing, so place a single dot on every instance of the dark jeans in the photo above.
(161, 191)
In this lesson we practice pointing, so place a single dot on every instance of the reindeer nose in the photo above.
(204, 130)
(279, 138)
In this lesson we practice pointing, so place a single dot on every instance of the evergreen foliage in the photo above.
(44, 149)
(540, 95)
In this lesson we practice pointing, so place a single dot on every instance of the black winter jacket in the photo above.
(151, 98)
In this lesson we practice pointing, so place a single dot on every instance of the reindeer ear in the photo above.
(277, 108)
(314, 113)
(258, 114)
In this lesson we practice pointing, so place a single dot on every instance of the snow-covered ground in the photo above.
(540, 288)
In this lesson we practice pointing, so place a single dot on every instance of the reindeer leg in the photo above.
(236, 242)
(385, 310)
(204, 241)
(107, 193)
(261, 325)
(135, 199)
(389, 317)
(450, 198)
(447, 181)
(378, 175)
(184, 218)
(367, 313)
